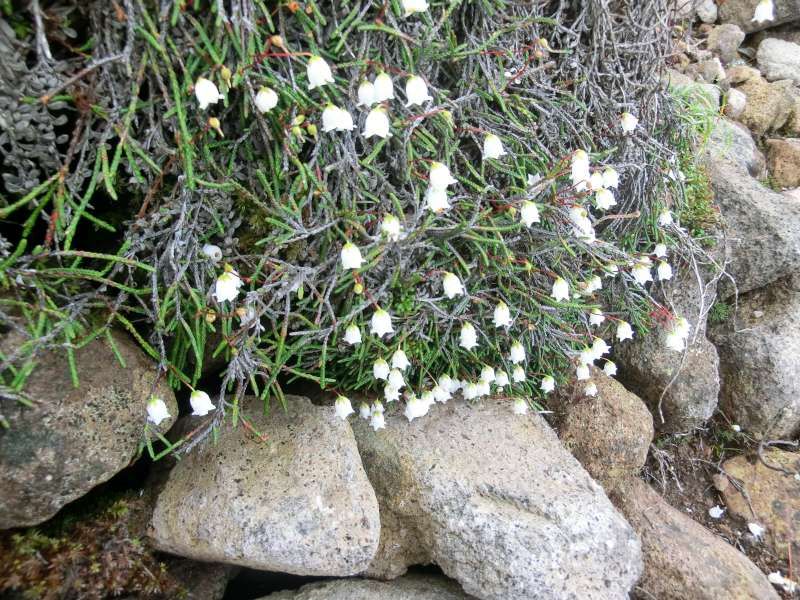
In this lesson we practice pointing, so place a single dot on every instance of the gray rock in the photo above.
(759, 349)
(74, 438)
(409, 587)
(788, 33)
(609, 434)
(762, 227)
(778, 59)
(683, 9)
(707, 11)
(735, 103)
(740, 12)
(682, 559)
(298, 503)
(710, 71)
(497, 503)
(732, 142)
(725, 40)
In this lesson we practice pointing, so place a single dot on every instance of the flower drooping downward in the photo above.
(351, 256)
(343, 407)
(377, 123)
(227, 285)
(469, 337)
(266, 99)
(318, 72)
(381, 323)
(206, 92)
(560, 289)
(452, 285)
(765, 11)
(352, 335)
(493, 147)
(417, 91)
(157, 410)
(201, 403)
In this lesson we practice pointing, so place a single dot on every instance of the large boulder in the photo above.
(740, 12)
(609, 433)
(299, 502)
(494, 500)
(766, 495)
(732, 142)
(783, 158)
(778, 59)
(409, 587)
(73, 438)
(759, 351)
(682, 559)
(762, 227)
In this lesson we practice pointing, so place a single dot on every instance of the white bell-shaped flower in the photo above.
(318, 72)
(641, 272)
(593, 284)
(206, 92)
(582, 372)
(765, 11)
(400, 360)
(396, 379)
(227, 285)
(590, 389)
(390, 393)
(501, 379)
(583, 228)
(611, 270)
(519, 406)
(157, 410)
(664, 271)
(660, 250)
(417, 91)
(518, 374)
(414, 6)
(440, 177)
(452, 285)
(384, 88)
(599, 348)
(212, 252)
(604, 199)
(448, 383)
(596, 317)
(487, 374)
(201, 403)
(441, 394)
(493, 147)
(428, 398)
(624, 331)
(336, 119)
(366, 94)
(665, 218)
(586, 356)
(560, 290)
(377, 123)
(377, 420)
(415, 408)
(610, 368)
(364, 411)
(469, 337)
(343, 407)
(628, 122)
(580, 170)
(266, 99)
(436, 200)
(381, 323)
(529, 213)
(352, 335)
(610, 178)
(484, 388)
(595, 181)
(502, 315)
(351, 256)
(391, 228)
(380, 369)
(470, 391)
(548, 384)
(517, 353)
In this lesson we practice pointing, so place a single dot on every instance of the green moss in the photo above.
(719, 313)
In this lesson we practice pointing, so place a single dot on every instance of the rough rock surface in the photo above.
(609, 434)
(497, 503)
(732, 142)
(774, 496)
(74, 438)
(409, 587)
(707, 93)
(783, 159)
(707, 11)
(725, 41)
(741, 13)
(759, 351)
(769, 105)
(682, 559)
(778, 59)
(298, 503)
(762, 227)
(735, 103)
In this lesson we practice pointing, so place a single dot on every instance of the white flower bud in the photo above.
(266, 100)
(390, 226)
(610, 178)
(664, 271)
(436, 200)
(610, 368)
(212, 252)
(414, 6)
(518, 374)
(628, 122)
(351, 256)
